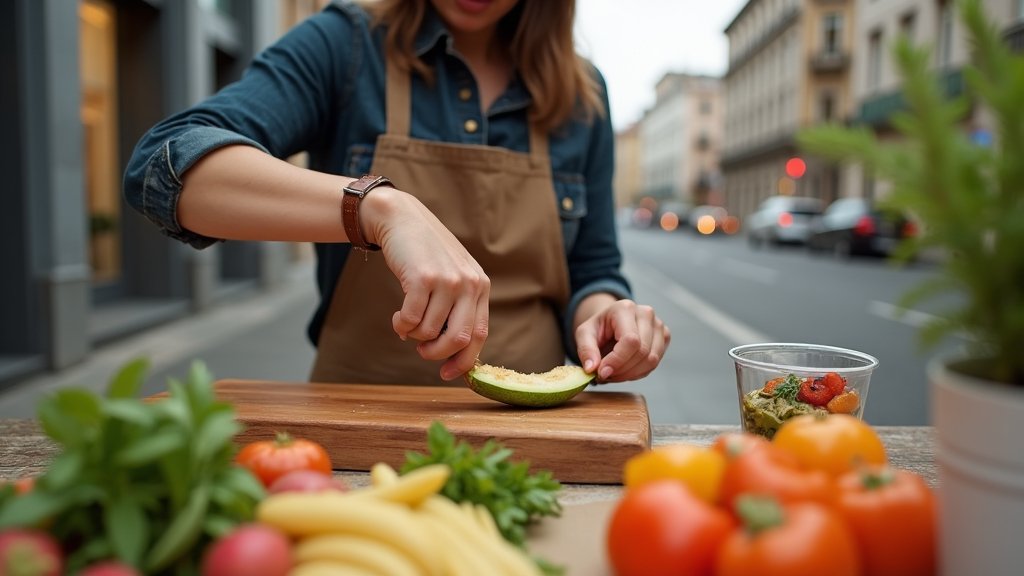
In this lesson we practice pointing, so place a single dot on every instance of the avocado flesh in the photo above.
(542, 390)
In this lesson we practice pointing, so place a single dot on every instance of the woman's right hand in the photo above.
(446, 291)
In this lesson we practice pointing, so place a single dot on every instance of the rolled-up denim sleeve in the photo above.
(595, 260)
(280, 106)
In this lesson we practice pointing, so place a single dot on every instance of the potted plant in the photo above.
(968, 194)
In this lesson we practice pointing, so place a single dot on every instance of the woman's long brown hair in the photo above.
(539, 34)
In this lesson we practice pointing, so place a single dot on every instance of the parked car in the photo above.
(673, 214)
(707, 220)
(854, 226)
(783, 219)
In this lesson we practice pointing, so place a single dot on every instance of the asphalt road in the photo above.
(717, 292)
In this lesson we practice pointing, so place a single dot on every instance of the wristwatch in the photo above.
(352, 196)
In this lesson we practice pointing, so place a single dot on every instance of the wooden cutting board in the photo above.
(586, 440)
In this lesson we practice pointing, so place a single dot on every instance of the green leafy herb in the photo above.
(486, 476)
(149, 483)
(788, 389)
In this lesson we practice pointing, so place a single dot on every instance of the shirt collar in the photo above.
(431, 32)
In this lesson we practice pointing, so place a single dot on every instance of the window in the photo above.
(944, 48)
(874, 60)
(907, 24)
(98, 77)
(828, 102)
(832, 28)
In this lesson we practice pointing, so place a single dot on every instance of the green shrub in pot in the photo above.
(969, 198)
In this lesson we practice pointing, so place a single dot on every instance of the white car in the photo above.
(783, 220)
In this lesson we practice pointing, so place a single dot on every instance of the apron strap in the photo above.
(397, 92)
(538, 146)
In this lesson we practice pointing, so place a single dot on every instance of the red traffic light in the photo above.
(795, 168)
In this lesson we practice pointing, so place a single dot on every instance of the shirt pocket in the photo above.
(571, 197)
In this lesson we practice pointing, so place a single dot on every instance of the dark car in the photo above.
(855, 226)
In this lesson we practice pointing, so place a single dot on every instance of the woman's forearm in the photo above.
(242, 193)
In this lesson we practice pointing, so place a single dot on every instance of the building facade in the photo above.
(789, 67)
(87, 78)
(876, 81)
(628, 181)
(681, 137)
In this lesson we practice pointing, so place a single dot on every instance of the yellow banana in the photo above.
(367, 553)
(409, 488)
(325, 568)
(308, 514)
(498, 550)
(381, 474)
(459, 557)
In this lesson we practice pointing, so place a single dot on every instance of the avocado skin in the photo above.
(523, 398)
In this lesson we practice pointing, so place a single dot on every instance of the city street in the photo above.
(717, 292)
(713, 292)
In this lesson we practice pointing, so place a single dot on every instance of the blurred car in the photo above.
(783, 220)
(674, 215)
(707, 219)
(854, 226)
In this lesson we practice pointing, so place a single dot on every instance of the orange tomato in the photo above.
(663, 529)
(271, 459)
(761, 468)
(835, 443)
(801, 539)
(698, 467)
(892, 514)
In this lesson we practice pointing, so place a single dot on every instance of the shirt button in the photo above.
(470, 126)
(567, 203)
(465, 94)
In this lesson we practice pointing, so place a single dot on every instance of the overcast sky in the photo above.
(635, 43)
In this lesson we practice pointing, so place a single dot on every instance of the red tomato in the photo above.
(802, 539)
(764, 469)
(661, 528)
(892, 515)
(249, 550)
(30, 553)
(306, 481)
(271, 459)
(110, 568)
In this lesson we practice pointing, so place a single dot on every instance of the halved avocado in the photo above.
(551, 388)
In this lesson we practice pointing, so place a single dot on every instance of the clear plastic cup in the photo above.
(778, 381)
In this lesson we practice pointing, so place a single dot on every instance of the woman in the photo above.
(485, 212)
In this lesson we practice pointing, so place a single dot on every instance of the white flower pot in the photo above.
(980, 453)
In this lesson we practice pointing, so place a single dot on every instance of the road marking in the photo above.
(747, 271)
(732, 329)
(906, 316)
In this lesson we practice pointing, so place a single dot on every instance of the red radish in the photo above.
(110, 568)
(29, 553)
(306, 481)
(249, 550)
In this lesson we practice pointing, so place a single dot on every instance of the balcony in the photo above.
(829, 62)
(1014, 36)
(876, 110)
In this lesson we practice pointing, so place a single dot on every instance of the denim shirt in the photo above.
(320, 89)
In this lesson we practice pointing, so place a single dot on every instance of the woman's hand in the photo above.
(620, 340)
(446, 291)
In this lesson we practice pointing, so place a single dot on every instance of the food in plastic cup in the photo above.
(778, 381)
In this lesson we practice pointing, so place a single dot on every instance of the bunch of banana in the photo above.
(398, 526)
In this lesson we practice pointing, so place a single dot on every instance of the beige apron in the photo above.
(501, 205)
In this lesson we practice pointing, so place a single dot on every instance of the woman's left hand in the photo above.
(620, 340)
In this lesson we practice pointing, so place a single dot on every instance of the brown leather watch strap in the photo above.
(352, 196)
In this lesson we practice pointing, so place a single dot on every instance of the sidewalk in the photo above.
(259, 335)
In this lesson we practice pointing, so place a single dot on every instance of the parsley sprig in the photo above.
(789, 388)
(486, 476)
